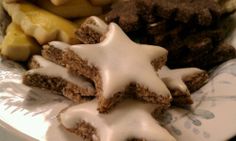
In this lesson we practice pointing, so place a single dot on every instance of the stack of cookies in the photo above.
(119, 87)
(112, 81)
(186, 28)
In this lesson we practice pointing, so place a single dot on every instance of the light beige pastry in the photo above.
(55, 2)
(9, 1)
(101, 2)
(227, 5)
(4, 21)
(71, 9)
(40, 24)
(59, 2)
(18, 46)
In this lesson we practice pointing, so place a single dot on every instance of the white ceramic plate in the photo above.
(30, 114)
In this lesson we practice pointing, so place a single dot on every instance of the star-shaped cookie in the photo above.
(131, 120)
(48, 75)
(120, 67)
(181, 82)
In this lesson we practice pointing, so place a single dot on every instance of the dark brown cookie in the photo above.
(202, 12)
(130, 15)
(206, 60)
(189, 46)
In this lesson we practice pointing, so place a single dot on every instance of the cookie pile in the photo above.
(38, 22)
(186, 28)
(113, 80)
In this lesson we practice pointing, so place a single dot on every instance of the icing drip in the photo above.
(52, 69)
(121, 61)
(128, 120)
(173, 78)
(59, 45)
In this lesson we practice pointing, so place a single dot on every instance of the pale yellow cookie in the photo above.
(93, 2)
(55, 2)
(40, 24)
(12, 1)
(59, 2)
(101, 2)
(18, 46)
(71, 9)
(4, 22)
(227, 5)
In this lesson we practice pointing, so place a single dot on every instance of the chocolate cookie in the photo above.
(129, 15)
(202, 12)
(184, 42)
(186, 28)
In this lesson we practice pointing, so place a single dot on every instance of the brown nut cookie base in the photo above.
(77, 89)
(79, 63)
(182, 82)
(92, 30)
(124, 123)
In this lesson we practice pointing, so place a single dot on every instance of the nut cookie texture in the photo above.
(91, 30)
(50, 76)
(183, 81)
(117, 63)
(131, 120)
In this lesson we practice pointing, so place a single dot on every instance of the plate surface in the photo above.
(30, 114)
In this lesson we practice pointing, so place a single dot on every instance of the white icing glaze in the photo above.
(173, 78)
(121, 61)
(127, 120)
(52, 69)
(96, 24)
(59, 45)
